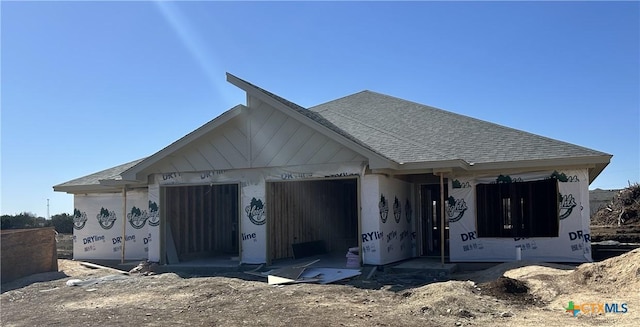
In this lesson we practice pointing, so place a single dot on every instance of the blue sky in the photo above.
(90, 85)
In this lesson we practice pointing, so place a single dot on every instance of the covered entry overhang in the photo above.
(429, 191)
(594, 165)
(433, 190)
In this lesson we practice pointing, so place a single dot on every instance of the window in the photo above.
(520, 209)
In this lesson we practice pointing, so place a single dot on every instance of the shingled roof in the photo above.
(408, 132)
(92, 182)
(407, 135)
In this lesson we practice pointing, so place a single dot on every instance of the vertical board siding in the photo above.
(310, 211)
(203, 219)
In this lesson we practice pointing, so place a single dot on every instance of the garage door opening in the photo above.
(312, 212)
(202, 221)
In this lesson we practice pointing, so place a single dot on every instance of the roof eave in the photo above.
(105, 186)
(595, 164)
(424, 167)
(135, 173)
(80, 189)
(120, 183)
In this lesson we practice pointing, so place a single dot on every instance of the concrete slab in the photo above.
(215, 265)
(329, 260)
(425, 266)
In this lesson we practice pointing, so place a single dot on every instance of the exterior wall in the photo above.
(261, 144)
(371, 234)
(572, 244)
(27, 251)
(99, 221)
(387, 220)
(252, 182)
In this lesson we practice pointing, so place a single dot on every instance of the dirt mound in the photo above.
(509, 289)
(623, 210)
(497, 271)
(454, 299)
(506, 285)
(617, 273)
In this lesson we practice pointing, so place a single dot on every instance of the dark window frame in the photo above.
(518, 209)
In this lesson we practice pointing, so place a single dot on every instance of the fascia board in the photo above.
(79, 189)
(133, 172)
(427, 167)
(444, 164)
(595, 164)
(542, 163)
(120, 183)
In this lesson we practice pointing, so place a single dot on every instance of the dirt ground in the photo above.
(512, 294)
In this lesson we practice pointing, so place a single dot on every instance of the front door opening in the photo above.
(430, 221)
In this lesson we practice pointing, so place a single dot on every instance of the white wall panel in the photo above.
(99, 225)
(571, 245)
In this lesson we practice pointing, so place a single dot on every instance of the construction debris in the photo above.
(353, 257)
(620, 219)
(92, 281)
(288, 275)
(329, 275)
(95, 266)
(303, 273)
(624, 209)
(145, 268)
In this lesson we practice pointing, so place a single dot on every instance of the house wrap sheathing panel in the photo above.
(388, 233)
(99, 221)
(571, 245)
(253, 214)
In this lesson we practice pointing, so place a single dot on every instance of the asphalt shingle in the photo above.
(409, 132)
(94, 179)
